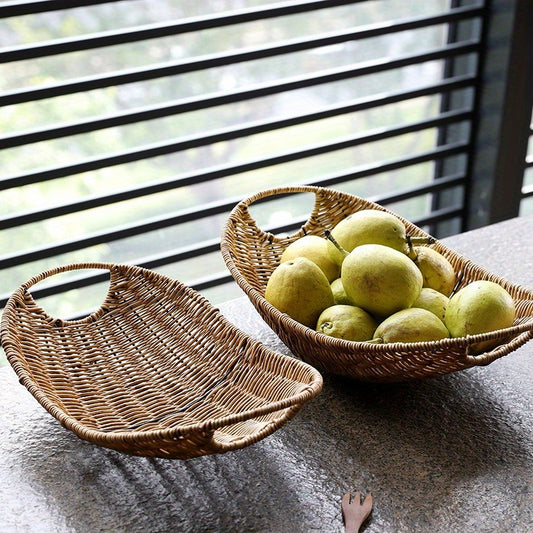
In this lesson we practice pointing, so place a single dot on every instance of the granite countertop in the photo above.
(451, 454)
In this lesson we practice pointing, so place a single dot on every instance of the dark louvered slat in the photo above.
(155, 223)
(23, 7)
(367, 137)
(440, 152)
(167, 148)
(86, 279)
(28, 7)
(527, 192)
(197, 250)
(152, 31)
(19, 96)
(181, 106)
(210, 210)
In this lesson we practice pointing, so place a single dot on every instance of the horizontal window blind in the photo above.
(130, 129)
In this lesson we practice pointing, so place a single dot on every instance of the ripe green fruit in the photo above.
(380, 279)
(316, 249)
(346, 322)
(339, 294)
(437, 271)
(300, 289)
(479, 307)
(369, 226)
(411, 325)
(433, 301)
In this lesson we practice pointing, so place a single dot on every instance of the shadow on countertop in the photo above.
(432, 452)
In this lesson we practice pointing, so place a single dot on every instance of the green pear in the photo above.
(437, 271)
(411, 325)
(335, 254)
(433, 301)
(300, 289)
(380, 279)
(316, 249)
(479, 307)
(369, 226)
(346, 322)
(339, 294)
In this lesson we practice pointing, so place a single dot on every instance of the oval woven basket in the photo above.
(252, 254)
(156, 371)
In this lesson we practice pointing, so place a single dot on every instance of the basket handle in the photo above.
(323, 200)
(525, 334)
(66, 268)
(22, 294)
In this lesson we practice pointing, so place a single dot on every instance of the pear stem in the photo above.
(330, 237)
(420, 240)
(412, 241)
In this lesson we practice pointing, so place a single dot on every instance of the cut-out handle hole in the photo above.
(79, 301)
(284, 214)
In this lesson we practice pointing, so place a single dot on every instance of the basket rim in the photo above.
(325, 341)
(14, 355)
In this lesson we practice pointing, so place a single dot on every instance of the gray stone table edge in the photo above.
(452, 454)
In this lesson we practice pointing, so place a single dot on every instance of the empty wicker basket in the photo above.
(252, 254)
(156, 371)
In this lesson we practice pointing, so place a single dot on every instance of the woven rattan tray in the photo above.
(156, 371)
(252, 254)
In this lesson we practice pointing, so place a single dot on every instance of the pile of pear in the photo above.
(366, 280)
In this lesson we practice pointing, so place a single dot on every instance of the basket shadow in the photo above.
(418, 443)
(451, 424)
(416, 446)
(90, 488)
(413, 442)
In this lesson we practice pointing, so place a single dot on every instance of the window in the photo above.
(131, 128)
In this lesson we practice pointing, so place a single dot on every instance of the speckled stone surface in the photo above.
(453, 454)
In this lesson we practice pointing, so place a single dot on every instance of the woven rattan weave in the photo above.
(252, 254)
(156, 371)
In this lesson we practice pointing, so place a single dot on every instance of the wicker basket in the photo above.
(252, 254)
(156, 371)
